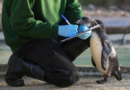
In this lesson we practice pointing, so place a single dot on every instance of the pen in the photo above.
(65, 19)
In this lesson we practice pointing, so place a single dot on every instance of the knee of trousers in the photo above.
(68, 79)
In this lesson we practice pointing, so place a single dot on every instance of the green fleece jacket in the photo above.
(28, 20)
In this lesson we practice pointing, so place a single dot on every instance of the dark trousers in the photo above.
(56, 59)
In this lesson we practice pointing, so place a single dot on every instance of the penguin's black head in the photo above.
(84, 21)
(116, 71)
(89, 22)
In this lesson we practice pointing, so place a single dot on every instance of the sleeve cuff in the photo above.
(54, 32)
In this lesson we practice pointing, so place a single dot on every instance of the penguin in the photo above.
(104, 55)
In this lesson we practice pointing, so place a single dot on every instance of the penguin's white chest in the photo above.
(96, 51)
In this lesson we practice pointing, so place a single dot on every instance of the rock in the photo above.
(102, 8)
(92, 7)
(125, 7)
(88, 86)
(113, 7)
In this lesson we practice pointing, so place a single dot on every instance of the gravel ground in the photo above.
(85, 83)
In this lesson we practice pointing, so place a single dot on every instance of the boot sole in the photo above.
(10, 82)
(16, 83)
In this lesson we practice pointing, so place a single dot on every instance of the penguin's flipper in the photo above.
(105, 54)
(93, 62)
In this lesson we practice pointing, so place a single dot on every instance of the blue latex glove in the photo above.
(68, 30)
(86, 35)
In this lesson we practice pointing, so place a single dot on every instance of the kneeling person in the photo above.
(31, 28)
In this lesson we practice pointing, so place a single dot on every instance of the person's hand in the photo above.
(68, 30)
(86, 35)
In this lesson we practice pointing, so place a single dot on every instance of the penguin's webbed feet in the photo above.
(106, 79)
(101, 81)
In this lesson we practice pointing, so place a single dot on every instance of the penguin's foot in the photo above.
(106, 79)
(101, 81)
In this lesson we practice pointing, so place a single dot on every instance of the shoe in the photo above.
(18, 68)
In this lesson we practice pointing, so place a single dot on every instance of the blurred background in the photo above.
(115, 14)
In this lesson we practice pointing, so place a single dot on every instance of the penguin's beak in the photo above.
(119, 77)
(117, 74)
(79, 21)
